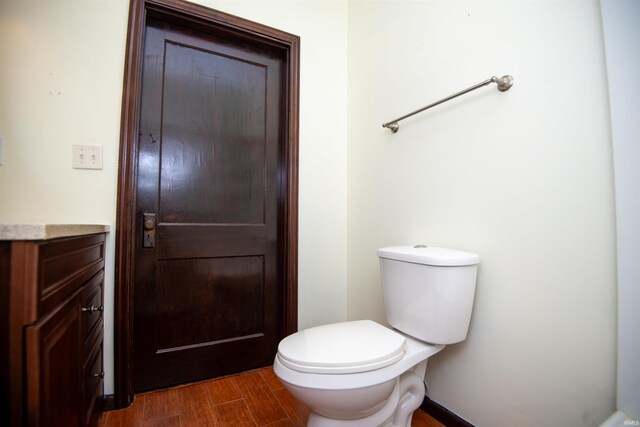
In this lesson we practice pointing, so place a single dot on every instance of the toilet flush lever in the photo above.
(148, 230)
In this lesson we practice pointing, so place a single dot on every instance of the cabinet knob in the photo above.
(93, 309)
(99, 375)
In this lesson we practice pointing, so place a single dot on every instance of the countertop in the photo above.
(48, 231)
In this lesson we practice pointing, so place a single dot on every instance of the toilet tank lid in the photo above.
(429, 255)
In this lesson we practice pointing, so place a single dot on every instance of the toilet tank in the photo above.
(428, 291)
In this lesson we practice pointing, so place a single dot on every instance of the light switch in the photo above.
(87, 156)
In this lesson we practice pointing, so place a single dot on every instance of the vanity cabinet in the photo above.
(52, 345)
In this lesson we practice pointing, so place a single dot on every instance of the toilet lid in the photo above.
(342, 348)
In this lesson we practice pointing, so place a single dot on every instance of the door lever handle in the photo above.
(149, 230)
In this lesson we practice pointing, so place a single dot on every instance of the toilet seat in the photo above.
(416, 351)
(342, 348)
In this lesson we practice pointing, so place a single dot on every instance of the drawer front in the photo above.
(92, 307)
(93, 385)
(66, 264)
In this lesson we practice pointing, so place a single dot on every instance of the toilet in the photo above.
(363, 374)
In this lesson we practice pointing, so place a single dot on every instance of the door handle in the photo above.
(148, 230)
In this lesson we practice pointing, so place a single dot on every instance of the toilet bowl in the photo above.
(363, 374)
(350, 389)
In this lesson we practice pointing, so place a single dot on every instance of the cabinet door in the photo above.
(93, 384)
(54, 366)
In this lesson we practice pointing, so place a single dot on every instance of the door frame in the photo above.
(201, 18)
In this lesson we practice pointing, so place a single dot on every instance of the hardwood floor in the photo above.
(255, 398)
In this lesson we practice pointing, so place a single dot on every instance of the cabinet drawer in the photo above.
(92, 305)
(64, 265)
(93, 385)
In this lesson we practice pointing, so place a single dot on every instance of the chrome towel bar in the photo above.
(504, 83)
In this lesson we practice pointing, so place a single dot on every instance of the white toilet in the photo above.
(362, 374)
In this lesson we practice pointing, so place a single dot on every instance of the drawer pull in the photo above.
(93, 309)
(99, 375)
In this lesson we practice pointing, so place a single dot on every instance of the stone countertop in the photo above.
(48, 231)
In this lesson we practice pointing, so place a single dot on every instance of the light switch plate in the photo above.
(87, 156)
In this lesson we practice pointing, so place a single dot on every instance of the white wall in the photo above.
(621, 34)
(523, 178)
(77, 48)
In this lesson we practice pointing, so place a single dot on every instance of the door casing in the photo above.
(202, 18)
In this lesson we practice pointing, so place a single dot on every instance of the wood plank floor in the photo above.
(255, 398)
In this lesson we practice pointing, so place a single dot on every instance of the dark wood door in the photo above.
(208, 294)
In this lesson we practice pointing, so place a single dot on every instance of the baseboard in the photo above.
(443, 415)
(108, 403)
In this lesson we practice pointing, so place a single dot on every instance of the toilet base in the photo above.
(382, 417)
(406, 397)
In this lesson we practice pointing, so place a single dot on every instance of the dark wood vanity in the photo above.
(51, 312)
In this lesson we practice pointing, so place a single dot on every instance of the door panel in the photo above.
(208, 294)
(212, 100)
(222, 300)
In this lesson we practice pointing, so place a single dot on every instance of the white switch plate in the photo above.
(87, 156)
